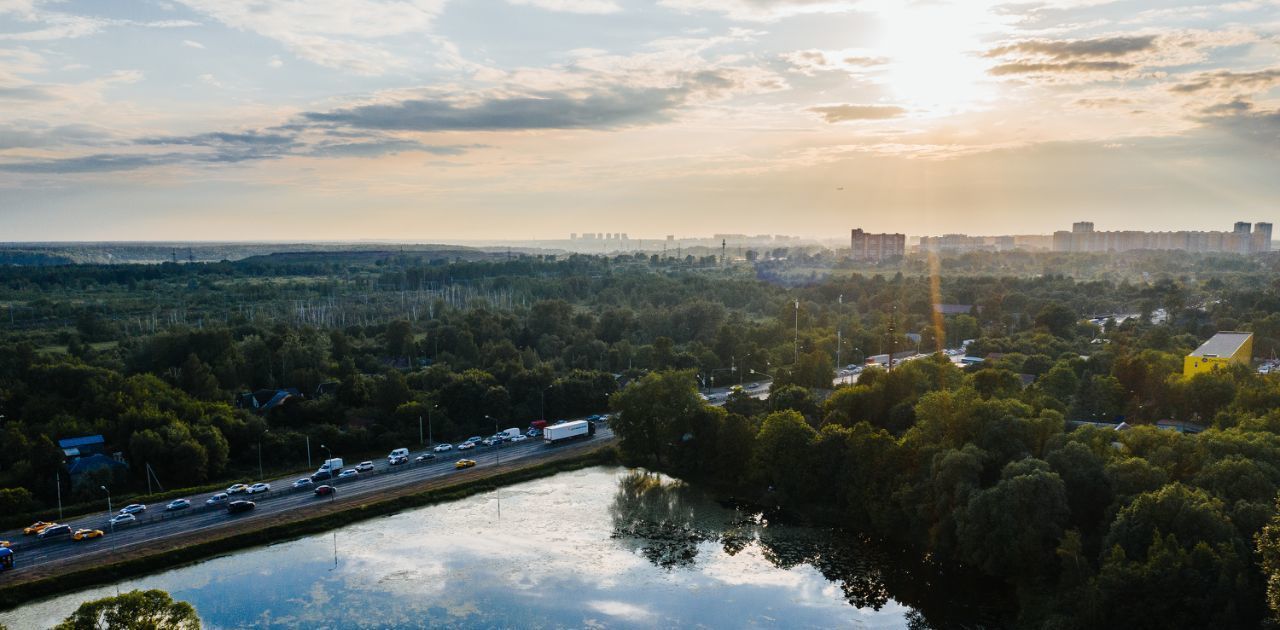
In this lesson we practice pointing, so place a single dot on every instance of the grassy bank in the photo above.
(160, 559)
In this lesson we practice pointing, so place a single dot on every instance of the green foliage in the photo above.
(135, 610)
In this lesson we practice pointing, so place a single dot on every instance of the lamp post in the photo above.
(110, 522)
(260, 457)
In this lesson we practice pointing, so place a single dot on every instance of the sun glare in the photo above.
(934, 54)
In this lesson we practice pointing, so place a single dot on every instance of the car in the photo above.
(55, 531)
(324, 491)
(348, 473)
(466, 446)
(239, 507)
(753, 386)
(424, 457)
(595, 418)
(397, 460)
(238, 488)
(87, 534)
(533, 433)
(305, 482)
(322, 475)
(121, 519)
(177, 504)
(259, 487)
(464, 463)
(491, 441)
(474, 438)
(440, 448)
(519, 438)
(36, 528)
(133, 508)
(364, 466)
(221, 497)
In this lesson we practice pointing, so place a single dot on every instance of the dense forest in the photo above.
(984, 467)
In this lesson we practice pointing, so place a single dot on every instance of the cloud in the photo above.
(1065, 50)
(55, 25)
(602, 109)
(30, 92)
(1230, 80)
(341, 34)
(760, 10)
(390, 146)
(812, 61)
(597, 7)
(34, 134)
(223, 139)
(192, 44)
(842, 113)
(1067, 67)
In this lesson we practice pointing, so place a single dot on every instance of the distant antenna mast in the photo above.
(722, 246)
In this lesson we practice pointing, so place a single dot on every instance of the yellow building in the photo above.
(1221, 350)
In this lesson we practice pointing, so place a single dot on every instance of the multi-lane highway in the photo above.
(198, 522)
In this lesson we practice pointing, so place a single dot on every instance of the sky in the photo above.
(433, 120)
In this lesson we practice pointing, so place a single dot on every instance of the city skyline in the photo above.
(429, 120)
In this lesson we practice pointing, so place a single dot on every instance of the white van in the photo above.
(400, 452)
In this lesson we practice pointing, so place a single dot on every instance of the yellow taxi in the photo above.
(36, 528)
(86, 534)
(464, 463)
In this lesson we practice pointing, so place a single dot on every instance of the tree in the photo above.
(1012, 529)
(647, 410)
(400, 339)
(781, 456)
(135, 610)
(1058, 319)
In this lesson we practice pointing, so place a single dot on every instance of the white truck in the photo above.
(507, 434)
(330, 466)
(557, 433)
(398, 453)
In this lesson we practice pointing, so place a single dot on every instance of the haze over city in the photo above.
(436, 120)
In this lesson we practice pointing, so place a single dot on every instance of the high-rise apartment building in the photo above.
(876, 247)
(1083, 238)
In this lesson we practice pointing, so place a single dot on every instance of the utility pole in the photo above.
(308, 451)
(797, 359)
(892, 318)
(430, 440)
(420, 442)
(57, 480)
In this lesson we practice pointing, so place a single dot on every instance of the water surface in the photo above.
(599, 548)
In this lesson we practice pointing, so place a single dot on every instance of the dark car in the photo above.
(324, 491)
(57, 531)
(239, 507)
(322, 476)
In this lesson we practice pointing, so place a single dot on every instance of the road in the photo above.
(156, 524)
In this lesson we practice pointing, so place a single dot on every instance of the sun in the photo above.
(934, 53)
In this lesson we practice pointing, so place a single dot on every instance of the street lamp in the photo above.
(110, 522)
(260, 453)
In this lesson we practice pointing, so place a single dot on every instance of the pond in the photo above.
(605, 547)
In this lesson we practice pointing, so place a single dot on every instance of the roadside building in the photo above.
(1221, 350)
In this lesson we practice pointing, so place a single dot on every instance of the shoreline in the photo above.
(49, 581)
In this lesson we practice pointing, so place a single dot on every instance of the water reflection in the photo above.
(601, 548)
(669, 522)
